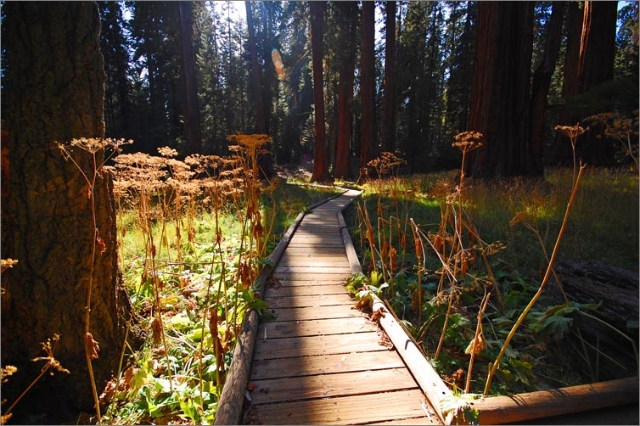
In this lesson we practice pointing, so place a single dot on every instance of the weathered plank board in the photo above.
(315, 300)
(328, 385)
(284, 290)
(344, 410)
(317, 345)
(315, 251)
(312, 269)
(338, 261)
(325, 364)
(280, 329)
(318, 277)
(309, 280)
(307, 313)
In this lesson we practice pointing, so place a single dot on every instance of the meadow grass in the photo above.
(442, 248)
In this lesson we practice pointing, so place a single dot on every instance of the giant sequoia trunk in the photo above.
(542, 81)
(597, 53)
(367, 85)
(499, 106)
(54, 91)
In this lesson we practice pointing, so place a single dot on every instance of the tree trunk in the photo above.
(561, 152)
(191, 110)
(349, 12)
(500, 91)
(320, 163)
(595, 66)
(542, 82)
(367, 85)
(54, 91)
(255, 73)
(262, 124)
(389, 105)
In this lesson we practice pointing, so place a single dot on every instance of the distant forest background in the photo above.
(188, 75)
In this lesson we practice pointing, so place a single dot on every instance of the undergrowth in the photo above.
(465, 266)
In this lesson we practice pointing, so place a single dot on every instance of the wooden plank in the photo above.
(314, 261)
(409, 421)
(313, 269)
(303, 276)
(315, 251)
(325, 364)
(315, 300)
(357, 409)
(279, 329)
(328, 385)
(309, 280)
(317, 345)
(283, 290)
(310, 313)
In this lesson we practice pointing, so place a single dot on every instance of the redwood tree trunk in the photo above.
(54, 91)
(349, 13)
(367, 85)
(500, 91)
(320, 161)
(389, 105)
(595, 66)
(561, 151)
(542, 82)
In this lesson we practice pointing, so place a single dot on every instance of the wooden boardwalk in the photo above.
(320, 361)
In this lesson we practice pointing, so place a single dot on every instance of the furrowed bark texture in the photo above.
(54, 92)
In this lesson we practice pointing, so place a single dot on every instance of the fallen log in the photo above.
(553, 402)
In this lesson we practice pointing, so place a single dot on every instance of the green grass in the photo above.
(525, 217)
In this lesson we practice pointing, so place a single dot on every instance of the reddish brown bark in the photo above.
(500, 91)
(367, 85)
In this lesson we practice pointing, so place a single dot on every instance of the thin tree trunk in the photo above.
(192, 111)
(255, 72)
(54, 91)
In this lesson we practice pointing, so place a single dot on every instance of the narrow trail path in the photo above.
(320, 361)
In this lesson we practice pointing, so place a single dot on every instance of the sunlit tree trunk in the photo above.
(320, 160)
(53, 91)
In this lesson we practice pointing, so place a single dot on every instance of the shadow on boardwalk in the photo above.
(319, 361)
